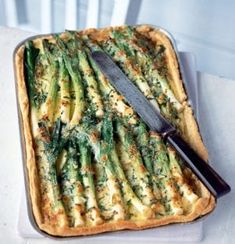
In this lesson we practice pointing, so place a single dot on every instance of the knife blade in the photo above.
(156, 122)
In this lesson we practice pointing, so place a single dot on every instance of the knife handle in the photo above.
(215, 184)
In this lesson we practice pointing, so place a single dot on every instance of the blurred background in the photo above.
(204, 27)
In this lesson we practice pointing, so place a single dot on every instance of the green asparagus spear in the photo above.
(170, 194)
(48, 152)
(64, 82)
(92, 210)
(69, 55)
(72, 189)
(31, 53)
(177, 173)
(142, 142)
(48, 108)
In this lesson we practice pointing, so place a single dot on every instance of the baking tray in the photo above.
(22, 140)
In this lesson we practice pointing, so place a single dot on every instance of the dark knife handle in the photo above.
(206, 174)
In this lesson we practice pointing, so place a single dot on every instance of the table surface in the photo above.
(217, 125)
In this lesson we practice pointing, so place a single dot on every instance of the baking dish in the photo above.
(211, 202)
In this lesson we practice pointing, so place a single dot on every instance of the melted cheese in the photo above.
(92, 89)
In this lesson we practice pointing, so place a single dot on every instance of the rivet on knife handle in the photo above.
(156, 122)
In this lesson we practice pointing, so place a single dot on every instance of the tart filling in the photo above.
(93, 164)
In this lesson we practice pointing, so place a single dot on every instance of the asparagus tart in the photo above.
(92, 164)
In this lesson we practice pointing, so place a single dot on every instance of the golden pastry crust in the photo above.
(203, 205)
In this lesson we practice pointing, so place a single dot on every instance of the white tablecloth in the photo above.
(217, 124)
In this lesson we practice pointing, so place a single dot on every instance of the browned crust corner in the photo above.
(204, 205)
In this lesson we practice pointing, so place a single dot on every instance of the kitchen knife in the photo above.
(156, 122)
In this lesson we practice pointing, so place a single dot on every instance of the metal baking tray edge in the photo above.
(22, 140)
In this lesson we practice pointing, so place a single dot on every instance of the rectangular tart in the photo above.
(92, 164)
